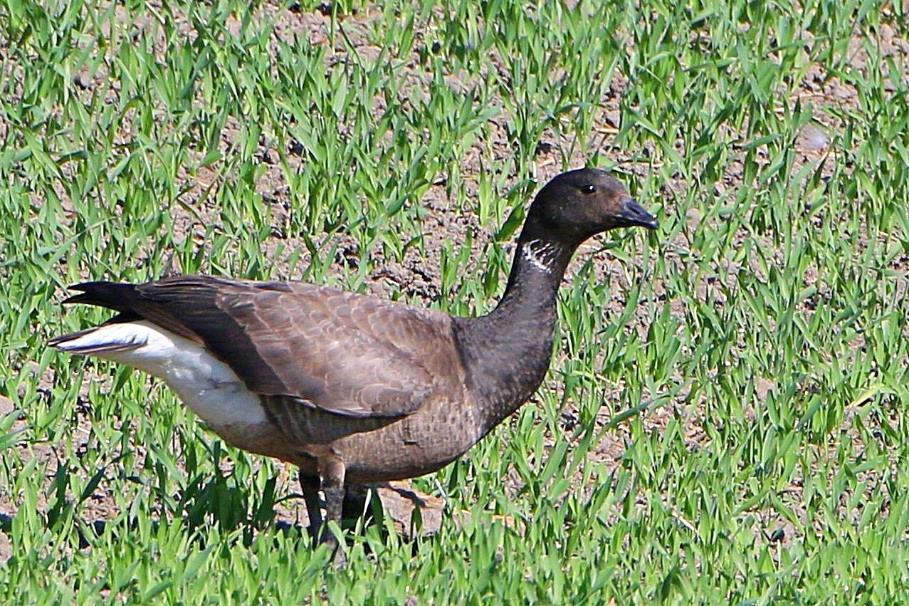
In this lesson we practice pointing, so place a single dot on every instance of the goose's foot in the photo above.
(332, 471)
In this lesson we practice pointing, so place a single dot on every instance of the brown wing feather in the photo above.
(338, 351)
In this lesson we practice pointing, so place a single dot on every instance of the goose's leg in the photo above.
(310, 487)
(332, 472)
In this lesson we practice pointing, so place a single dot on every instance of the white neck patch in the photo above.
(540, 254)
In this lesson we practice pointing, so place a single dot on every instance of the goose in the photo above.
(350, 388)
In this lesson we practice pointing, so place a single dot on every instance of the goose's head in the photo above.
(578, 204)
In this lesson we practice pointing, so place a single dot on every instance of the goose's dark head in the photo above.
(578, 204)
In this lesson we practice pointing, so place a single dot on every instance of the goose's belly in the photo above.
(422, 443)
(375, 450)
(372, 450)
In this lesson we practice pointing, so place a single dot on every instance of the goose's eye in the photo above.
(589, 189)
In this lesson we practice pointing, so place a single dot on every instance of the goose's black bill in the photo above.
(633, 214)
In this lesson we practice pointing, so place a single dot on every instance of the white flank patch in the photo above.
(207, 385)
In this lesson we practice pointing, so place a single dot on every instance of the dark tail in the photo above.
(162, 302)
(112, 295)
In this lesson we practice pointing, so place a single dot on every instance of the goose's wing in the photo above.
(341, 352)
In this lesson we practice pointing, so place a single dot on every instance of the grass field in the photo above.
(726, 420)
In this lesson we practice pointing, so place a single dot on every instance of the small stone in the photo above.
(812, 138)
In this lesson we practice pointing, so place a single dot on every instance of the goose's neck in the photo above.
(506, 353)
